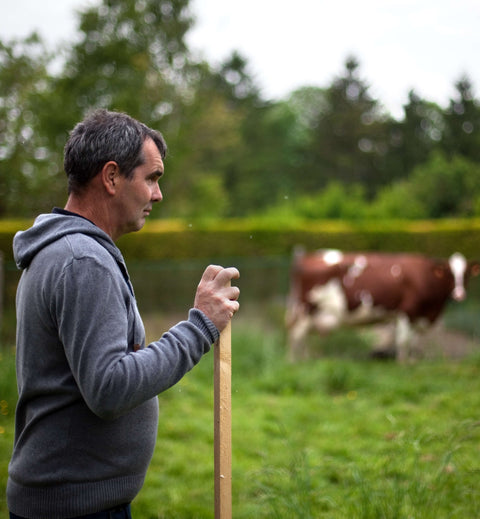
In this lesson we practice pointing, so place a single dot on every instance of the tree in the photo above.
(396, 201)
(212, 140)
(258, 168)
(413, 139)
(447, 187)
(264, 167)
(462, 121)
(336, 201)
(29, 175)
(348, 142)
(131, 56)
(235, 82)
(203, 148)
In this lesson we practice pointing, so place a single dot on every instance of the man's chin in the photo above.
(140, 224)
(136, 226)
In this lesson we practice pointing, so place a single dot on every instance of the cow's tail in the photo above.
(293, 299)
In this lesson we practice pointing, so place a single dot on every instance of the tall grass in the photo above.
(8, 398)
(335, 436)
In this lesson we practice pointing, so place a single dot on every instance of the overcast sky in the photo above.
(426, 45)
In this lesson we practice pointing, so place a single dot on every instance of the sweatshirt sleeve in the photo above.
(93, 309)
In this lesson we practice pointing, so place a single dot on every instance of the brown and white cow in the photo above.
(330, 289)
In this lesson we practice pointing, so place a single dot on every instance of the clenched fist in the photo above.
(215, 296)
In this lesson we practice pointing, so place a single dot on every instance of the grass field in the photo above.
(338, 436)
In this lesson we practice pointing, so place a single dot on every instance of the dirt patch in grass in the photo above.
(436, 342)
(440, 341)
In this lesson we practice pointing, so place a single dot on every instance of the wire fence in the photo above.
(169, 286)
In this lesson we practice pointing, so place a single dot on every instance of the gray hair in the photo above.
(105, 136)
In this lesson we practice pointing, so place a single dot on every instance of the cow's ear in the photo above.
(475, 268)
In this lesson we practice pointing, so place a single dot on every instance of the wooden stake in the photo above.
(223, 424)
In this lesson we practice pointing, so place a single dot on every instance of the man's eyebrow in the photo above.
(158, 173)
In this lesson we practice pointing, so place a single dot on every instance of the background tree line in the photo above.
(322, 152)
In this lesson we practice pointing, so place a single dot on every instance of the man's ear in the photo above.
(109, 175)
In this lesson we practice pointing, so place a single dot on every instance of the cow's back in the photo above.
(410, 283)
(413, 284)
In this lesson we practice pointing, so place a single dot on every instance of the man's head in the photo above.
(114, 164)
(105, 136)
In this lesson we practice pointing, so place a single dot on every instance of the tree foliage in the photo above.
(347, 141)
(322, 152)
(28, 166)
(462, 123)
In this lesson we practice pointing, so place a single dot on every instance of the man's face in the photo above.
(137, 194)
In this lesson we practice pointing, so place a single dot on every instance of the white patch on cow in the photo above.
(332, 256)
(366, 312)
(359, 265)
(403, 337)
(356, 270)
(298, 331)
(458, 266)
(366, 298)
(332, 308)
(331, 303)
(361, 262)
(396, 270)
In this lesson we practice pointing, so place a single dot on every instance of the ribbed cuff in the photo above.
(201, 321)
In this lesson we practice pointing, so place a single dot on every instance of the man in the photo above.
(87, 414)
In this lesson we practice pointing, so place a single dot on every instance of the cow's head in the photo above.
(461, 270)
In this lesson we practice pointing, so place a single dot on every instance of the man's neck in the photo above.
(59, 210)
(92, 210)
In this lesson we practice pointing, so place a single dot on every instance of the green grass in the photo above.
(337, 436)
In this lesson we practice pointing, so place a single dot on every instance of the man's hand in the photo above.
(215, 297)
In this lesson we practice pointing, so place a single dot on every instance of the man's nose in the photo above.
(157, 194)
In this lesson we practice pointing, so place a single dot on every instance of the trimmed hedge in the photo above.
(233, 238)
(174, 239)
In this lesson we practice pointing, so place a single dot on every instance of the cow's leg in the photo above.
(403, 337)
(297, 333)
(385, 341)
(293, 311)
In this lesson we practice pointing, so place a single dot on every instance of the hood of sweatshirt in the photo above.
(48, 228)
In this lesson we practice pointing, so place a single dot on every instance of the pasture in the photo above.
(337, 436)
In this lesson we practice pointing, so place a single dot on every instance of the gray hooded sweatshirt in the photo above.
(87, 414)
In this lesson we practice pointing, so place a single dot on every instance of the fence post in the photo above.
(223, 425)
